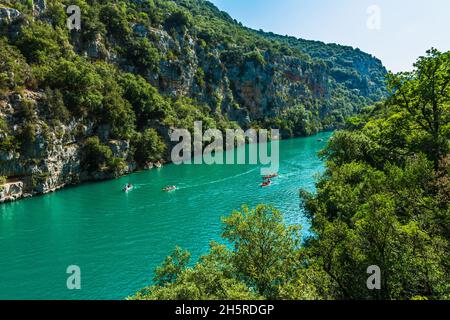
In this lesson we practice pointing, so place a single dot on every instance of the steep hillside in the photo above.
(97, 103)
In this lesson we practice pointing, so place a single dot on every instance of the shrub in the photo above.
(117, 166)
(200, 77)
(27, 134)
(178, 19)
(7, 141)
(39, 42)
(147, 103)
(257, 57)
(39, 178)
(2, 182)
(115, 20)
(144, 55)
(149, 147)
(26, 110)
(95, 155)
(55, 105)
(13, 69)
(116, 111)
(4, 128)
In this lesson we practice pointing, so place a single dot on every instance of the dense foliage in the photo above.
(383, 201)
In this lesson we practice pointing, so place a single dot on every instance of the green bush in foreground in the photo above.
(261, 263)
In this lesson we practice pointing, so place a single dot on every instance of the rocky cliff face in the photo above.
(244, 89)
(253, 87)
(53, 160)
(184, 49)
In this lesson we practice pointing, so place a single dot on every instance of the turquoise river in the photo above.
(118, 239)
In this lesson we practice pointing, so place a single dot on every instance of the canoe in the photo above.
(270, 176)
(127, 189)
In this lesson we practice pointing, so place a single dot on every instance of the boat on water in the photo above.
(158, 165)
(266, 183)
(270, 176)
(128, 188)
(170, 188)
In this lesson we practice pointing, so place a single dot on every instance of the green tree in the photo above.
(172, 267)
(143, 54)
(149, 146)
(115, 111)
(148, 105)
(40, 43)
(178, 19)
(14, 71)
(209, 279)
(265, 250)
(117, 166)
(55, 105)
(95, 155)
(263, 262)
(424, 94)
(7, 140)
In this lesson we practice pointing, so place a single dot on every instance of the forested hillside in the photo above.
(383, 201)
(99, 102)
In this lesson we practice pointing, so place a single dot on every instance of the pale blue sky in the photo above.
(407, 29)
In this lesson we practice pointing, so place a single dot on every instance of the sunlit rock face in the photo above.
(8, 15)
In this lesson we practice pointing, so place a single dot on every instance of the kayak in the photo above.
(127, 188)
(169, 189)
(266, 184)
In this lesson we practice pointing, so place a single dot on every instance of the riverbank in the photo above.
(20, 188)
